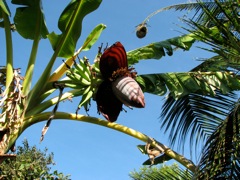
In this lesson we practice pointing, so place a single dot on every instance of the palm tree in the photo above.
(210, 117)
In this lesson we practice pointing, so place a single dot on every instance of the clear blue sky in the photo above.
(88, 151)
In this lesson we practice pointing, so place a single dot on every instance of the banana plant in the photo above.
(17, 96)
(23, 105)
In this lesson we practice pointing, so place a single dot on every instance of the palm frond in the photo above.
(161, 173)
(199, 14)
(221, 154)
(195, 114)
(186, 7)
(219, 63)
(216, 10)
(232, 60)
(221, 27)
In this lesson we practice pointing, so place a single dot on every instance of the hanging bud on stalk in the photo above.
(141, 30)
(127, 90)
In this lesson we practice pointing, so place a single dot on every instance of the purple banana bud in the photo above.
(127, 90)
(107, 103)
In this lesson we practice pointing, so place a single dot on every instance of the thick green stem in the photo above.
(9, 50)
(131, 132)
(30, 68)
(36, 92)
(32, 58)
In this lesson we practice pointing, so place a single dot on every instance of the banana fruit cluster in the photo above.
(84, 77)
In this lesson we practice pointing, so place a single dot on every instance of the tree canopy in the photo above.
(30, 163)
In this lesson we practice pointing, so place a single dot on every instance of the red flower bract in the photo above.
(113, 59)
(118, 87)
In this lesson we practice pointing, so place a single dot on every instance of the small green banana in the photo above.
(86, 98)
(86, 65)
(86, 90)
(95, 67)
(83, 70)
(73, 85)
(79, 79)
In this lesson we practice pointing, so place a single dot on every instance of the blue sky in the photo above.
(88, 151)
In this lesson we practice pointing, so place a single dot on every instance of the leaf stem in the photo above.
(9, 51)
(131, 132)
(31, 63)
(39, 87)
(48, 103)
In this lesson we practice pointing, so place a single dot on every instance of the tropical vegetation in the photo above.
(202, 104)
(30, 163)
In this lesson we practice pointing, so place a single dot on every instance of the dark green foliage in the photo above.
(157, 50)
(29, 19)
(200, 116)
(211, 119)
(182, 84)
(158, 160)
(70, 24)
(209, 115)
(31, 163)
(161, 173)
(221, 154)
